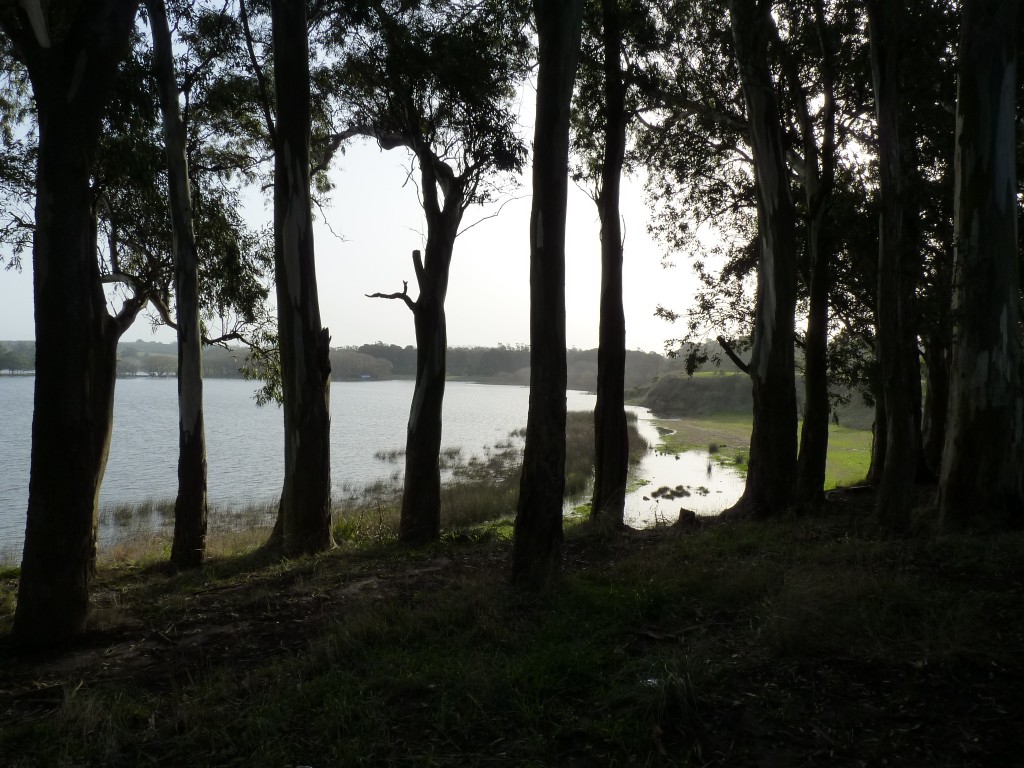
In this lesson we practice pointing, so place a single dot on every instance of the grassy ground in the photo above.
(804, 642)
(849, 450)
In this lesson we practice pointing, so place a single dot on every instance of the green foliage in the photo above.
(18, 157)
(403, 79)
(642, 45)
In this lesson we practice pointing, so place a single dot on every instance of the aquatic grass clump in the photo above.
(475, 490)
(389, 455)
(140, 513)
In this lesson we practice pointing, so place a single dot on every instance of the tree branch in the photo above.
(404, 295)
(121, 277)
(261, 79)
(727, 348)
(492, 215)
(129, 311)
(417, 265)
(160, 304)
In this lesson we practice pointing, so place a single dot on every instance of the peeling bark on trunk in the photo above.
(76, 339)
(190, 508)
(980, 484)
(420, 520)
(305, 508)
(537, 546)
(611, 463)
(773, 442)
(892, 314)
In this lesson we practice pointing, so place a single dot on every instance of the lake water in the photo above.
(245, 445)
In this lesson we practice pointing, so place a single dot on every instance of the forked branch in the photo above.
(404, 296)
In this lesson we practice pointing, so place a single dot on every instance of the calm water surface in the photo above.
(245, 444)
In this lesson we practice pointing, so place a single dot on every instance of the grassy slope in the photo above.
(849, 450)
(795, 643)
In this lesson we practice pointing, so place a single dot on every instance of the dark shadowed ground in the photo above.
(813, 641)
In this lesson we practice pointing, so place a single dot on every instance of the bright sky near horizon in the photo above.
(378, 218)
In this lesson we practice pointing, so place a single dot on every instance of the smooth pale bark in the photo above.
(980, 484)
(611, 462)
(537, 545)
(420, 519)
(305, 508)
(892, 314)
(190, 508)
(773, 442)
(76, 339)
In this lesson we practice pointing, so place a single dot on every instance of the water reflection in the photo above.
(691, 480)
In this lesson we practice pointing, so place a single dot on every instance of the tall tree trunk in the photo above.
(818, 183)
(76, 339)
(913, 185)
(611, 463)
(810, 476)
(892, 314)
(305, 508)
(933, 420)
(190, 509)
(879, 440)
(980, 484)
(421, 498)
(773, 444)
(537, 546)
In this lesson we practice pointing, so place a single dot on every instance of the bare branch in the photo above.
(491, 216)
(404, 295)
(417, 265)
(222, 341)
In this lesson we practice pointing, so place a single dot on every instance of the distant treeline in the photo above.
(17, 356)
(504, 364)
(510, 364)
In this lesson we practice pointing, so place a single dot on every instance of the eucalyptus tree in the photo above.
(816, 149)
(773, 449)
(71, 53)
(405, 81)
(980, 484)
(721, 127)
(265, 91)
(619, 38)
(174, 236)
(190, 508)
(305, 509)
(926, 138)
(700, 149)
(537, 542)
(886, 21)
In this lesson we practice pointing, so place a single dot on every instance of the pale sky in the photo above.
(488, 296)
